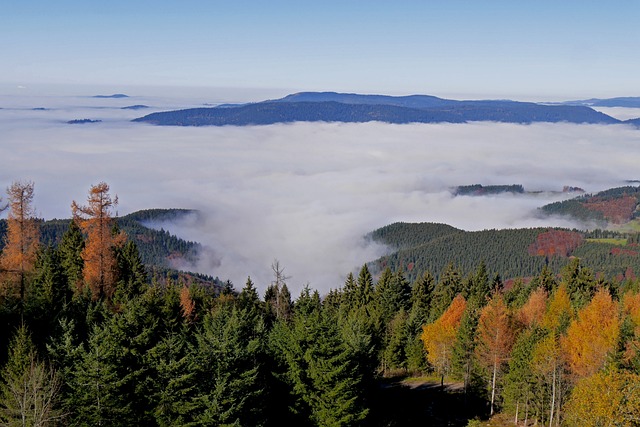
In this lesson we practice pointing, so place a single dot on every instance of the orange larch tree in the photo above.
(495, 337)
(96, 222)
(593, 336)
(439, 337)
(532, 312)
(22, 240)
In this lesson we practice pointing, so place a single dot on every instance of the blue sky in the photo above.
(516, 49)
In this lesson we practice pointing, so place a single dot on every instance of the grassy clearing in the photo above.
(619, 242)
(631, 226)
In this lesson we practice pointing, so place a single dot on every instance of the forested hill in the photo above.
(161, 252)
(613, 207)
(354, 108)
(416, 248)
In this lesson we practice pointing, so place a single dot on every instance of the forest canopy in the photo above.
(92, 338)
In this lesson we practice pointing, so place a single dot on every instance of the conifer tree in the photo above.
(350, 293)
(580, 282)
(519, 388)
(394, 355)
(70, 249)
(445, 291)
(225, 355)
(248, 298)
(174, 381)
(418, 316)
(318, 368)
(365, 287)
(131, 274)
(48, 295)
(462, 353)
(95, 397)
(481, 286)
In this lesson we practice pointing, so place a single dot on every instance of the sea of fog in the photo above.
(305, 193)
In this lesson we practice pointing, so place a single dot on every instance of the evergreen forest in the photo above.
(92, 337)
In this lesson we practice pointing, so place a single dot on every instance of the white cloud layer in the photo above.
(303, 193)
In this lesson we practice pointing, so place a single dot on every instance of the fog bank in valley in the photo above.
(306, 193)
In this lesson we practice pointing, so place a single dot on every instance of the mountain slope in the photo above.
(353, 108)
(616, 206)
(416, 248)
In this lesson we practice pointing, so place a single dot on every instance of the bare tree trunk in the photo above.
(553, 397)
(517, 407)
(493, 383)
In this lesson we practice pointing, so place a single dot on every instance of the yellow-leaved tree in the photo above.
(605, 399)
(439, 337)
(592, 337)
(559, 312)
(631, 315)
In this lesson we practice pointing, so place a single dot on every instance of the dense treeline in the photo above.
(510, 253)
(615, 205)
(90, 340)
(483, 190)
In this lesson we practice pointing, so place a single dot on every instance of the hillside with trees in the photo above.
(613, 207)
(91, 339)
(510, 253)
(160, 251)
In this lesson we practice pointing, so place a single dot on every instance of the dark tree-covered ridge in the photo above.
(420, 247)
(354, 108)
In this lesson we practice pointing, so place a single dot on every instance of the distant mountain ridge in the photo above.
(626, 102)
(356, 108)
(114, 96)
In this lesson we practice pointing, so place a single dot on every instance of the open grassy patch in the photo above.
(612, 241)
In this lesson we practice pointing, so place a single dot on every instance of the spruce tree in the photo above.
(70, 249)
(225, 355)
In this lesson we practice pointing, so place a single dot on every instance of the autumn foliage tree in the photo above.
(439, 337)
(96, 222)
(605, 399)
(532, 313)
(631, 315)
(593, 336)
(494, 338)
(22, 239)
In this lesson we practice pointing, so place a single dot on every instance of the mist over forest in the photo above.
(302, 193)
